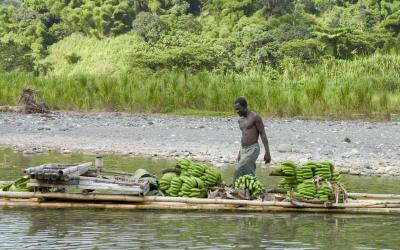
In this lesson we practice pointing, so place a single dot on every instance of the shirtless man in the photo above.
(252, 127)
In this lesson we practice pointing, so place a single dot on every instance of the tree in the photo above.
(148, 26)
(15, 57)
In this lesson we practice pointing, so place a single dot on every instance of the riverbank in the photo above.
(361, 148)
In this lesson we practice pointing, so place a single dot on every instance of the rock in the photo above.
(220, 165)
(150, 123)
(347, 140)
(29, 152)
(201, 126)
(38, 150)
(354, 172)
(66, 151)
(285, 148)
(354, 152)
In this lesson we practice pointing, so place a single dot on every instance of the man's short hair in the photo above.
(242, 101)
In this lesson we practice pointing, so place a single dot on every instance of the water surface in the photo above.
(121, 229)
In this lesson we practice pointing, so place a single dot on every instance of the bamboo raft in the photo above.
(366, 204)
(132, 195)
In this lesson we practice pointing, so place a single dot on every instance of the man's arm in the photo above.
(261, 130)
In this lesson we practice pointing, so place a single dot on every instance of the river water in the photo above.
(121, 229)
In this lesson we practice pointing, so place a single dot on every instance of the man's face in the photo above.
(240, 110)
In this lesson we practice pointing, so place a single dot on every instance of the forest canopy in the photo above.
(120, 36)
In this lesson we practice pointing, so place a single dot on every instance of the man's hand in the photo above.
(267, 158)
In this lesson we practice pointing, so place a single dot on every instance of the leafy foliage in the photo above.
(214, 35)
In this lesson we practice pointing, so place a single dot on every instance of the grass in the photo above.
(368, 86)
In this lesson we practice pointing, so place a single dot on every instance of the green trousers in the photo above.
(247, 162)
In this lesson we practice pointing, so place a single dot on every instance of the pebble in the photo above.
(376, 149)
(347, 140)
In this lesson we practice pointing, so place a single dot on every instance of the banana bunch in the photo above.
(192, 187)
(251, 183)
(165, 182)
(175, 187)
(183, 165)
(336, 176)
(288, 170)
(323, 170)
(324, 191)
(306, 171)
(211, 176)
(306, 190)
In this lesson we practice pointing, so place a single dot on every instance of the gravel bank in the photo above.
(365, 148)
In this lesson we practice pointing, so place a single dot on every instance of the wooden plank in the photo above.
(92, 185)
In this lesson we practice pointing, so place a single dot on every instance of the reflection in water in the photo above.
(105, 229)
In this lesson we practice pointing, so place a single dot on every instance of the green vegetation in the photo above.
(335, 88)
(288, 57)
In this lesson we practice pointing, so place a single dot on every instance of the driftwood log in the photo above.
(28, 100)
(27, 103)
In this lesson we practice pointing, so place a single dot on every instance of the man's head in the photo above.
(241, 106)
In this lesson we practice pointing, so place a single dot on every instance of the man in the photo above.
(252, 127)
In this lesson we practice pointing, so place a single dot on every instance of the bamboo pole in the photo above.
(75, 171)
(48, 166)
(130, 198)
(183, 206)
(373, 196)
(103, 180)
(348, 205)
(115, 172)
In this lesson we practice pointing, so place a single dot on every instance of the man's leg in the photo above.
(244, 170)
(246, 165)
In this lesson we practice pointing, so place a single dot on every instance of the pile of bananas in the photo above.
(251, 183)
(193, 180)
(287, 169)
(211, 176)
(310, 180)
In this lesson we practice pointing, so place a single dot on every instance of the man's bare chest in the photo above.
(246, 124)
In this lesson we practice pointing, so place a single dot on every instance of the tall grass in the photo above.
(366, 86)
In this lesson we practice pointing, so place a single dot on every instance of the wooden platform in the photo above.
(107, 201)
